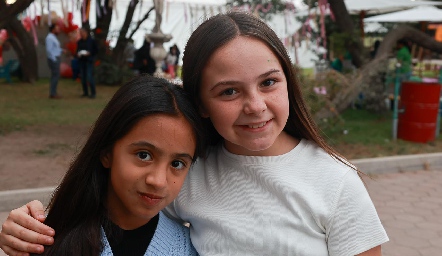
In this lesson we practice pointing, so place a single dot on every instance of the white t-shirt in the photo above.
(303, 202)
(171, 59)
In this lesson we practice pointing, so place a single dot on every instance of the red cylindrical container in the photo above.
(419, 106)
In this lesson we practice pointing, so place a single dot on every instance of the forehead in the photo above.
(165, 131)
(242, 55)
(244, 44)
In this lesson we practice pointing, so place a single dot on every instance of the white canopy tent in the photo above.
(382, 6)
(417, 14)
(376, 6)
(374, 27)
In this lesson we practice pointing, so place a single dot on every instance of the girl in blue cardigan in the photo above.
(132, 166)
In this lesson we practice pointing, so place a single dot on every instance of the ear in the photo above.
(106, 159)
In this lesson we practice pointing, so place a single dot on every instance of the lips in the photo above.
(150, 199)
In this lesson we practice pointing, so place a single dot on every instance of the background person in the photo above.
(403, 57)
(53, 53)
(143, 62)
(86, 51)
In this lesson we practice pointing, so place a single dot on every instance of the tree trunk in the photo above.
(118, 51)
(9, 12)
(411, 34)
(368, 76)
(102, 30)
(24, 47)
(345, 24)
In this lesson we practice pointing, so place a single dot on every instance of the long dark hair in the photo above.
(221, 29)
(77, 208)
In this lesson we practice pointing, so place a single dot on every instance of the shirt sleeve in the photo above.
(354, 226)
(49, 47)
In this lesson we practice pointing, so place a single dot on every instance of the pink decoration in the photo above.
(3, 35)
(266, 10)
(320, 90)
(34, 34)
(27, 23)
(83, 10)
(36, 20)
(258, 6)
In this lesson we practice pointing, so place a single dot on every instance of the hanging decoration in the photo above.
(49, 12)
(83, 11)
(185, 11)
(167, 10)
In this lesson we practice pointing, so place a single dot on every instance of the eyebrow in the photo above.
(232, 82)
(148, 145)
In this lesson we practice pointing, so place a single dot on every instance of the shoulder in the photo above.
(170, 238)
(325, 163)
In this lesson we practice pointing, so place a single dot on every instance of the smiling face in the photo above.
(244, 93)
(147, 168)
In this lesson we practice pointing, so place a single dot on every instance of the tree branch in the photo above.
(8, 12)
(413, 35)
(146, 16)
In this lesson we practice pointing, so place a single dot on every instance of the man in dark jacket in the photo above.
(143, 62)
(86, 51)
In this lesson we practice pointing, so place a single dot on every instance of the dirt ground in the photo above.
(38, 157)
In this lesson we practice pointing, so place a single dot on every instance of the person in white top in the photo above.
(270, 184)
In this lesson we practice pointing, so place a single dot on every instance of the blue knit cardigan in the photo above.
(170, 238)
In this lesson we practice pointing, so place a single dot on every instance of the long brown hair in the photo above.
(221, 29)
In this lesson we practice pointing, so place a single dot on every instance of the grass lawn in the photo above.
(359, 134)
(23, 105)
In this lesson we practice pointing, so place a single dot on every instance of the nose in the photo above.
(157, 178)
(255, 104)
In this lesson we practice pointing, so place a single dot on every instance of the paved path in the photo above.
(410, 207)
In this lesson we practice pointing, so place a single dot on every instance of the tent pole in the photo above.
(395, 106)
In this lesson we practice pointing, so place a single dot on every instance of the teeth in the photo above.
(258, 125)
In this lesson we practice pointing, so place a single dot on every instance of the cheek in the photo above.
(176, 184)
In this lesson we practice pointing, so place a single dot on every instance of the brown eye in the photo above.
(269, 82)
(144, 156)
(229, 91)
(178, 165)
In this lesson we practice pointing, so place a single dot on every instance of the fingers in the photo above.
(12, 252)
(22, 233)
(36, 209)
(22, 226)
(9, 251)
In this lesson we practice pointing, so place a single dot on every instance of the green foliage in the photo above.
(332, 82)
(107, 72)
(338, 42)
